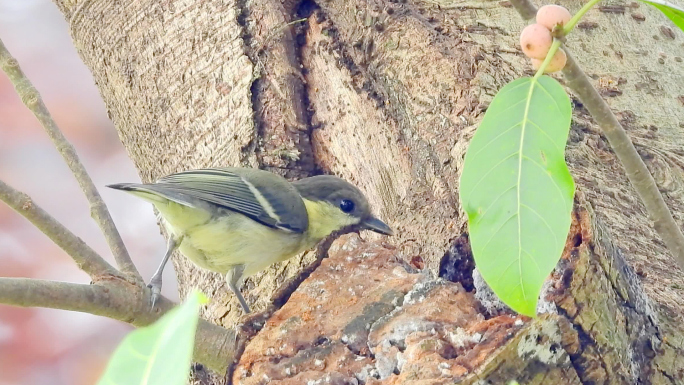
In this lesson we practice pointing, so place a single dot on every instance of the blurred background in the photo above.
(44, 346)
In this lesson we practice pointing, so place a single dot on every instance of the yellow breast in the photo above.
(218, 240)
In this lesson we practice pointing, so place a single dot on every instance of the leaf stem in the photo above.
(567, 28)
(552, 51)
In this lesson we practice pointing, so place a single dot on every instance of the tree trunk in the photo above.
(387, 94)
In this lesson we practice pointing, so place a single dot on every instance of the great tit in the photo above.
(238, 221)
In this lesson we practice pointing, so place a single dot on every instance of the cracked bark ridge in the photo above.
(366, 317)
(279, 96)
(618, 330)
(365, 97)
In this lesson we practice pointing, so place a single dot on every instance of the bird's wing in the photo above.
(265, 197)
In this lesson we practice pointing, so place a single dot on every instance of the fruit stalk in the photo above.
(549, 56)
(576, 18)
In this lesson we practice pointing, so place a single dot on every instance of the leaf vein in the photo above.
(547, 175)
(560, 111)
(489, 172)
(496, 200)
(548, 136)
(555, 238)
(533, 260)
(497, 231)
(490, 117)
(485, 147)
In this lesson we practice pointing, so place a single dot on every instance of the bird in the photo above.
(238, 221)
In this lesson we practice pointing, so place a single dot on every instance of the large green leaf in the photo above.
(517, 190)
(160, 353)
(673, 12)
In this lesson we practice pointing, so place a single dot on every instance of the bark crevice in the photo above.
(615, 331)
(273, 40)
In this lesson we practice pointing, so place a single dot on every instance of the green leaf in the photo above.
(673, 12)
(160, 353)
(517, 190)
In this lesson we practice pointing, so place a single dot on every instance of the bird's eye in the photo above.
(347, 206)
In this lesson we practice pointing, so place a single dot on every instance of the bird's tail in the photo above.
(126, 186)
(140, 190)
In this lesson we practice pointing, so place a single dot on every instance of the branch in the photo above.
(214, 346)
(525, 8)
(635, 168)
(98, 210)
(85, 257)
(27, 292)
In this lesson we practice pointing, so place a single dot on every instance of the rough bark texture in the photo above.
(387, 95)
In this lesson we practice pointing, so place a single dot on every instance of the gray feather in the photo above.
(236, 189)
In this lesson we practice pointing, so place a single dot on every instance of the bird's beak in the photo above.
(374, 224)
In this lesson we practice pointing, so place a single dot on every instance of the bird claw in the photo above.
(155, 288)
(251, 323)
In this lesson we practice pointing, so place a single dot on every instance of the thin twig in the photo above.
(214, 345)
(85, 257)
(635, 168)
(98, 210)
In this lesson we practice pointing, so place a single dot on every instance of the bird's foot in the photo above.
(252, 323)
(155, 286)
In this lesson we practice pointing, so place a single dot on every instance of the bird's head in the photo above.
(335, 204)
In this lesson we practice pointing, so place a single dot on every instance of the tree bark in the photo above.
(387, 95)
